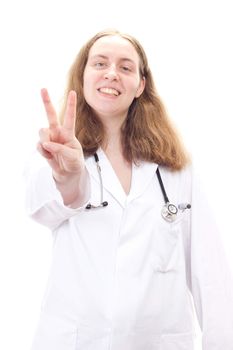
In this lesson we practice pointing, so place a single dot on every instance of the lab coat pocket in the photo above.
(165, 247)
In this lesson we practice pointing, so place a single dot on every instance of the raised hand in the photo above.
(58, 143)
(64, 153)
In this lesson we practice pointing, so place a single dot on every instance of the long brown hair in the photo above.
(147, 133)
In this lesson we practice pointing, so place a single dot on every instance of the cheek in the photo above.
(86, 86)
(133, 86)
(85, 78)
(89, 82)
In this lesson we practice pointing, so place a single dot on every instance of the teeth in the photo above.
(109, 91)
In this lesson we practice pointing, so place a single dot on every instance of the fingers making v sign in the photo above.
(58, 143)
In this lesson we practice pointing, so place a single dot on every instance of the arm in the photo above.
(52, 192)
(211, 279)
(44, 202)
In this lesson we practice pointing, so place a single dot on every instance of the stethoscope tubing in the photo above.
(169, 210)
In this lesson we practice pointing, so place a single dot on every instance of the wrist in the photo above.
(73, 187)
(64, 179)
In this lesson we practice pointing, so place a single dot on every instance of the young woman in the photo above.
(134, 240)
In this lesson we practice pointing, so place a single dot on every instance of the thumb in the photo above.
(67, 152)
(52, 147)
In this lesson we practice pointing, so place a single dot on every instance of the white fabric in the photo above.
(122, 278)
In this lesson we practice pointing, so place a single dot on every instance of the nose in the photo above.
(111, 73)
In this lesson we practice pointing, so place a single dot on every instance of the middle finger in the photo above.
(70, 113)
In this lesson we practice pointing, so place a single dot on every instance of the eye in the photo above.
(99, 64)
(126, 68)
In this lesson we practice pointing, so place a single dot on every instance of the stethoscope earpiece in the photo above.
(184, 206)
(103, 204)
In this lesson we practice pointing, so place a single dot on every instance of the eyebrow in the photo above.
(106, 57)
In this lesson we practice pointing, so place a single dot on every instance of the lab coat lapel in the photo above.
(142, 175)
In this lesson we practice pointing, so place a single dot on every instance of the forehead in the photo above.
(116, 46)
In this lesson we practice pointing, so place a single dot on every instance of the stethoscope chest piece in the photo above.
(169, 212)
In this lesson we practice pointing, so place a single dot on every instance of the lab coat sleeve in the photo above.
(44, 202)
(210, 275)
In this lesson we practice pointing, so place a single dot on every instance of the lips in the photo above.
(109, 91)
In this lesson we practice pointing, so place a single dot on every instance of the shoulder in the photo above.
(184, 175)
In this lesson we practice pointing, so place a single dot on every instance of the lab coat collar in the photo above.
(142, 174)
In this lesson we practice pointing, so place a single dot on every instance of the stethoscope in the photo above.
(169, 211)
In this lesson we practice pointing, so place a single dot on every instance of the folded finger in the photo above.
(57, 148)
(43, 152)
(44, 135)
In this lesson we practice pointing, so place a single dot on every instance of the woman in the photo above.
(127, 261)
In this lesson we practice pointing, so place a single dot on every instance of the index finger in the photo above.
(70, 113)
(50, 111)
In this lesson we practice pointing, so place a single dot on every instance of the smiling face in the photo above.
(111, 77)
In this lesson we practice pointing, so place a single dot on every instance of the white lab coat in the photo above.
(122, 278)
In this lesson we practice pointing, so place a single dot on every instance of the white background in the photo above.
(189, 46)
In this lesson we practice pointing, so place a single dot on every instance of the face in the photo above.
(111, 78)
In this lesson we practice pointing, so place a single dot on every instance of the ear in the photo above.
(141, 87)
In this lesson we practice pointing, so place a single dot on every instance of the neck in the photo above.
(112, 141)
(113, 134)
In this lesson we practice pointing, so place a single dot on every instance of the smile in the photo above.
(109, 91)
